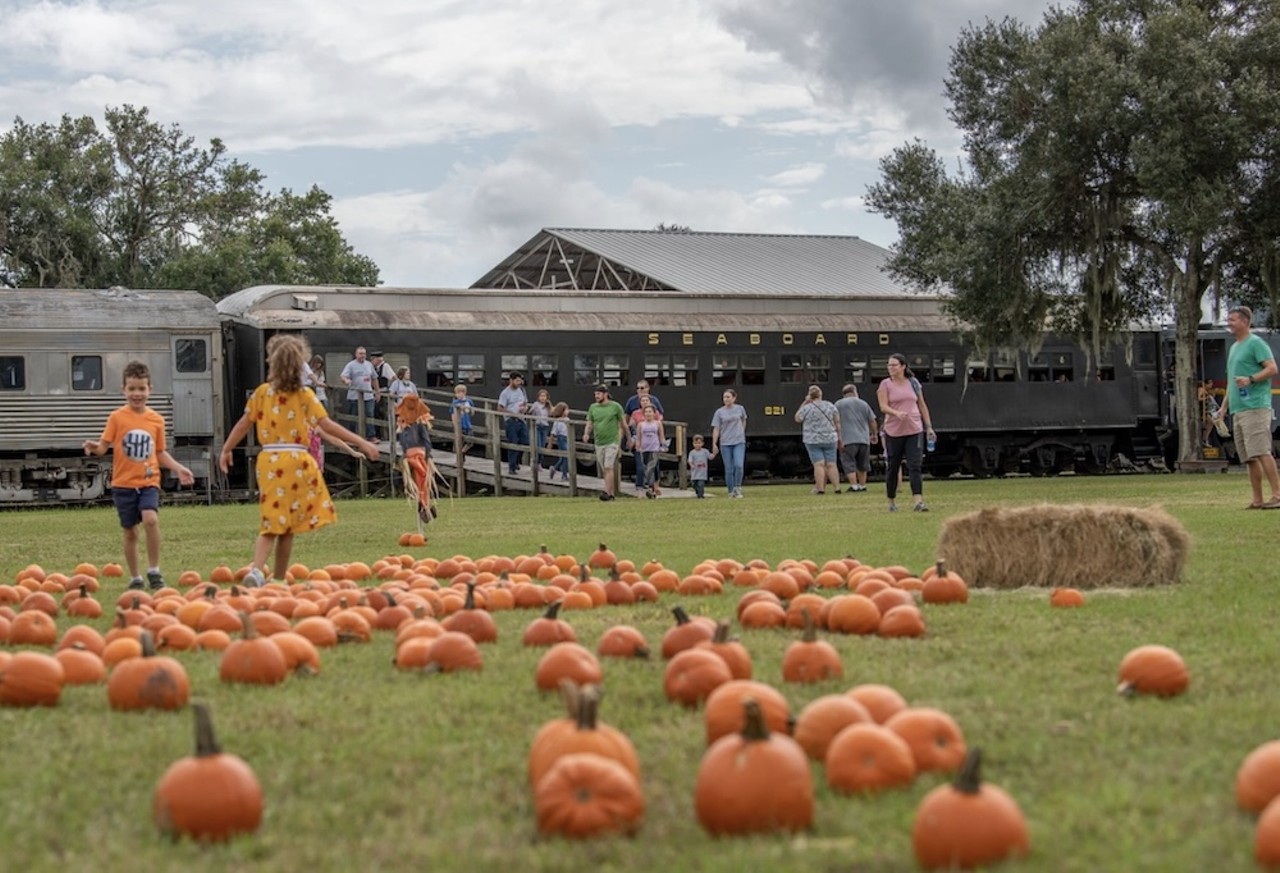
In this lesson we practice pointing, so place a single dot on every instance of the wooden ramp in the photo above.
(482, 472)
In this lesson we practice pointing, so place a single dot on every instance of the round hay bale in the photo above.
(1052, 545)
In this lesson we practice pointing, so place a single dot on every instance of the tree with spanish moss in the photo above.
(1119, 164)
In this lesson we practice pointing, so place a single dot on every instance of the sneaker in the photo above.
(651, 494)
(606, 497)
(155, 581)
(254, 578)
(816, 491)
(135, 584)
(893, 507)
(920, 507)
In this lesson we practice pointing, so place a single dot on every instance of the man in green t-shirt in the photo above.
(605, 419)
(1250, 368)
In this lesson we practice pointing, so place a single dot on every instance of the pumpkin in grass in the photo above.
(881, 701)
(33, 628)
(733, 653)
(602, 558)
(1258, 779)
(567, 661)
(31, 679)
(1266, 838)
(253, 659)
(472, 621)
(687, 633)
(968, 823)
(1156, 670)
(1066, 597)
(580, 731)
(724, 711)
(81, 666)
(210, 796)
(148, 682)
(586, 795)
(810, 659)
(944, 587)
(754, 781)
(868, 757)
(452, 651)
(935, 739)
(319, 630)
(693, 674)
(622, 641)
(902, 622)
(549, 629)
(300, 655)
(823, 718)
(83, 635)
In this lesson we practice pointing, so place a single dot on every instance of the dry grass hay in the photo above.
(1051, 545)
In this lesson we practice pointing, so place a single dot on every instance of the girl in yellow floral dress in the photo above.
(292, 494)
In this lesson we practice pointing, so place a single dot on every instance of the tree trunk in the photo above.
(1190, 290)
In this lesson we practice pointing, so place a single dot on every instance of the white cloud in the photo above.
(798, 176)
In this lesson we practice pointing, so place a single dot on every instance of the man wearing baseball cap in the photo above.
(605, 420)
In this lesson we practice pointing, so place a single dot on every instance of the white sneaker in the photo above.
(254, 578)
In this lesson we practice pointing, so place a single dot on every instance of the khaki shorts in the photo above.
(1252, 433)
(606, 457)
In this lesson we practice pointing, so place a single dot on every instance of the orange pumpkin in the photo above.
(687, 633)
(581, 731)
(567, 661)
(693, 674)
(586, 795)
(810, 659)
(933, 736)
(1066, 597)
(210, 796)
(881, 701)
(724, 711)
(253, 659)
(754, 781)
(1155, 670)
(148, 682)
(31, 679)
(622, 641)
(868, 757)
(1258, 779)
(823, 718)
(967, 823)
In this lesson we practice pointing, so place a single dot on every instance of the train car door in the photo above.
(192, 386)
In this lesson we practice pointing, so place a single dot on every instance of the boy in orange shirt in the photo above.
(135, 433)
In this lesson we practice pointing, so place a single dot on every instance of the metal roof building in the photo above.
(693, 262)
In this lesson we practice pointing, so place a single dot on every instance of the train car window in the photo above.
(751, 369)
(802, 369)
(86, 373)
(977, 370)
(879, 367)
(594, 369)
(1106, 368)
(13, 373)
(921, 366)
(471, 369)
(1062, 366)
(440, 371)
(1004, 368)
(519, 363)
(680, 370)
(1038, 368)
(724, 369)
(855, 369)
(190, 355)
(944, 368)
(544, 371)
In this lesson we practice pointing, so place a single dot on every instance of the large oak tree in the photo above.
(142, 205)
(1121, 161)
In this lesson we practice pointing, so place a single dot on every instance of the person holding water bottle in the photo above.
(1250, 368)
(907, 423)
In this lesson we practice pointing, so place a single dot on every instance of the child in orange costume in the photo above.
(412, 418)
(292, 494)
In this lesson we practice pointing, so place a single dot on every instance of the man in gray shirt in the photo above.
(512, 403)
(858, 431)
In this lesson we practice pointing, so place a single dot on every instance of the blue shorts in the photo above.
(821, 453)
(132, 502)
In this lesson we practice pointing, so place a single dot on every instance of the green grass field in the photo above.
(367, 768)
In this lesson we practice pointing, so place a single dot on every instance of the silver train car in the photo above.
(62, 358)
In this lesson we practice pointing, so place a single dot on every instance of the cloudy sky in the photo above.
(451, 131)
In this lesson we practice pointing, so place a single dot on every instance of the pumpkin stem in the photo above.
(211, 593)
(84, 591)
(682, 617)
(969, 778)
(941, 567)
(121, 619)
(552, 611)
(810, 629)
(206, 740)
(391, 599)
(722, 632)
(588, 708)
(249, 630)
(754, 728)
(543, 550)
(148, 644)
(569, 693)
(584, 573)
(137, 602)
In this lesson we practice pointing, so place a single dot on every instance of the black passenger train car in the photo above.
(998, 413)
